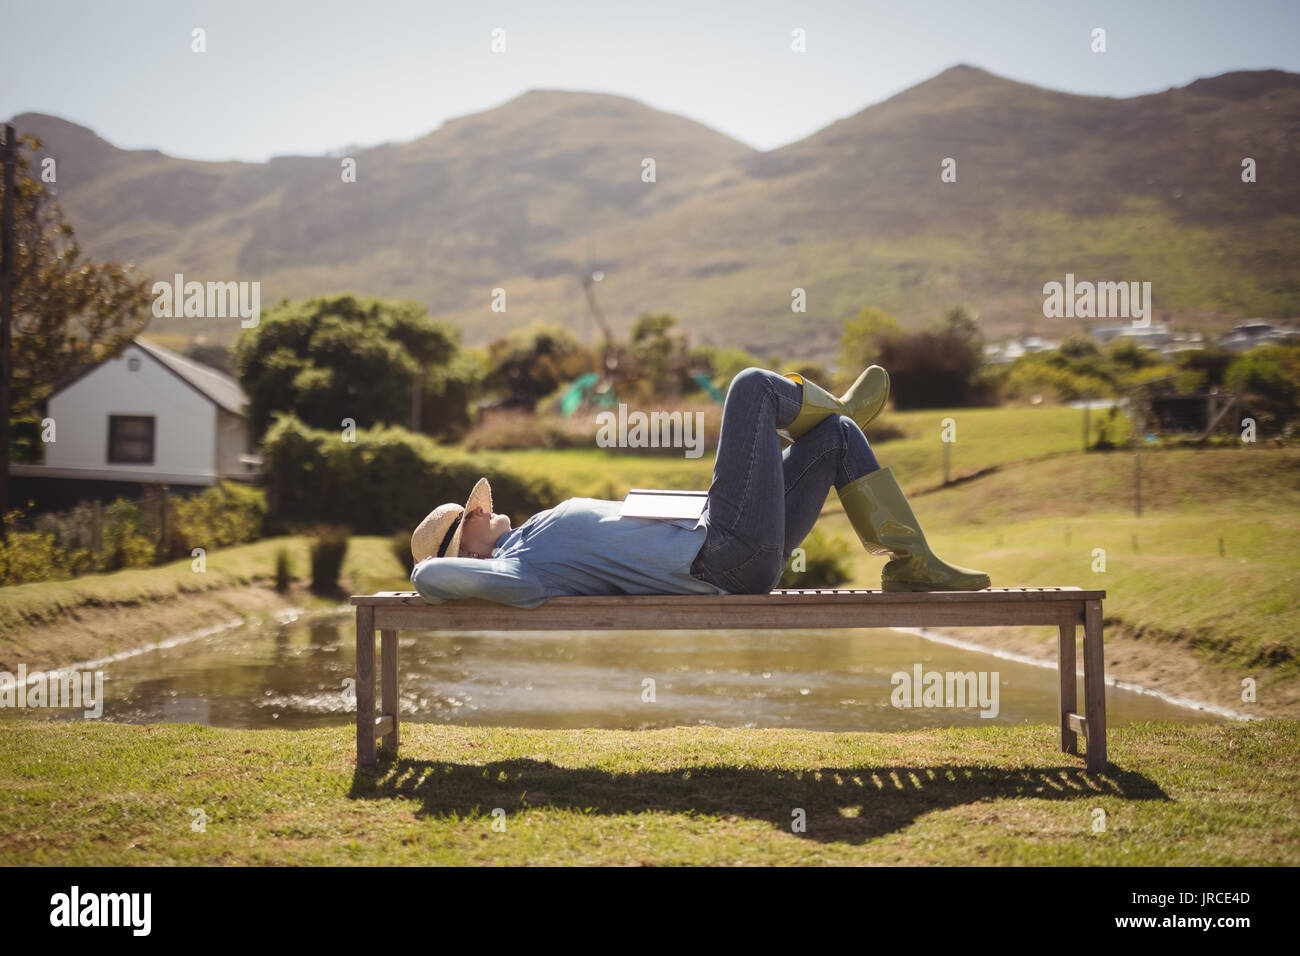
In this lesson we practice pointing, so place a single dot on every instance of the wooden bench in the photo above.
(1067, 608)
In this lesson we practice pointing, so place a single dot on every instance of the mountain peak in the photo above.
(966, 73)
(1244, 84)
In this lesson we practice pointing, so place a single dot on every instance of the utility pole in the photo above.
(6, 316)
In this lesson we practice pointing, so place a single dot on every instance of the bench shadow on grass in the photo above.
(843, 804)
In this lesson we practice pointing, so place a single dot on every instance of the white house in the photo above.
(148, 416)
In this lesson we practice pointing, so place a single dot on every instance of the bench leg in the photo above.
(365, 686)
(1069, 699)
(390, 706)
(1094, 686)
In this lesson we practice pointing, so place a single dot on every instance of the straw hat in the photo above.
(438, 535)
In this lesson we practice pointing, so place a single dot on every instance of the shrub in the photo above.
(825, 561)
(401, 545)
(1028, 378)
(935, 367)
(1267, 378)
(283, 571)
(725, 362)
(385, 481)
(328, 549)
(123, 545)
(531, 363)
(225, 514)
(1113, 430)
(29, 556)
(62, 545)
(882, 429)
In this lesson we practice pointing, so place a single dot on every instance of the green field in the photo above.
(110, 795)
(985, 438)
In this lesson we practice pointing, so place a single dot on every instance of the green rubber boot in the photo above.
(862, 402)
(884, 521)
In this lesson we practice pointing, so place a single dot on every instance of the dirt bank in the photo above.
(93, 633)
(1163, 666)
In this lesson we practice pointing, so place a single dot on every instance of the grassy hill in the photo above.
(531, 194)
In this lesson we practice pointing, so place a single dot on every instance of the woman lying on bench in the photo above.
(761, 504)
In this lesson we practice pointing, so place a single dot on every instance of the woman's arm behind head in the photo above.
(503, 580)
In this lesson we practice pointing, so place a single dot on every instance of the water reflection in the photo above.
(299, 675)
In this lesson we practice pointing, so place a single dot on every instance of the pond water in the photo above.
(298, 675)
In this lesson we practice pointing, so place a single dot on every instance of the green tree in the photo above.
(1128, 354)
(531, 363)
(1205, 368)
(936, 367)
(1267, 381)
(1079, 347)
(659, 357)
(723, 363)
(864, 338)
(330, 358)
(69, 313)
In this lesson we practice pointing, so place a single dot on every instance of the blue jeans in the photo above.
(763, 502)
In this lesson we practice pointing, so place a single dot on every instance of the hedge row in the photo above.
(380, 480)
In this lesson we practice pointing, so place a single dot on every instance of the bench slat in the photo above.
(487, 616)
(733, 601)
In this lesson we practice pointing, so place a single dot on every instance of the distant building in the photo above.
(1103, 334)
(996, 354)
(149, 416)
(1152, 336)
(1246, 335)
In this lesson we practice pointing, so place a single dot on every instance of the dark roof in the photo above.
(218, 386)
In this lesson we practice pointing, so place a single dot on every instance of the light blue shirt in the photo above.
(581, 546)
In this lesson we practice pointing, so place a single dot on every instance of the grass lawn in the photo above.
(985, 437)
(90, 793)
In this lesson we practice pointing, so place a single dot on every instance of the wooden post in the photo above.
(947, 456)
(1137, 479)
(162, 522)
(389, 705)
(1069, 687)
(365, 686)
(1139, 426)
(1094, 686)
(6, 315)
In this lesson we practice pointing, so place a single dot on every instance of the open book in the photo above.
(660, 503)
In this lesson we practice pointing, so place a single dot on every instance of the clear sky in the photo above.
(311, 77)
